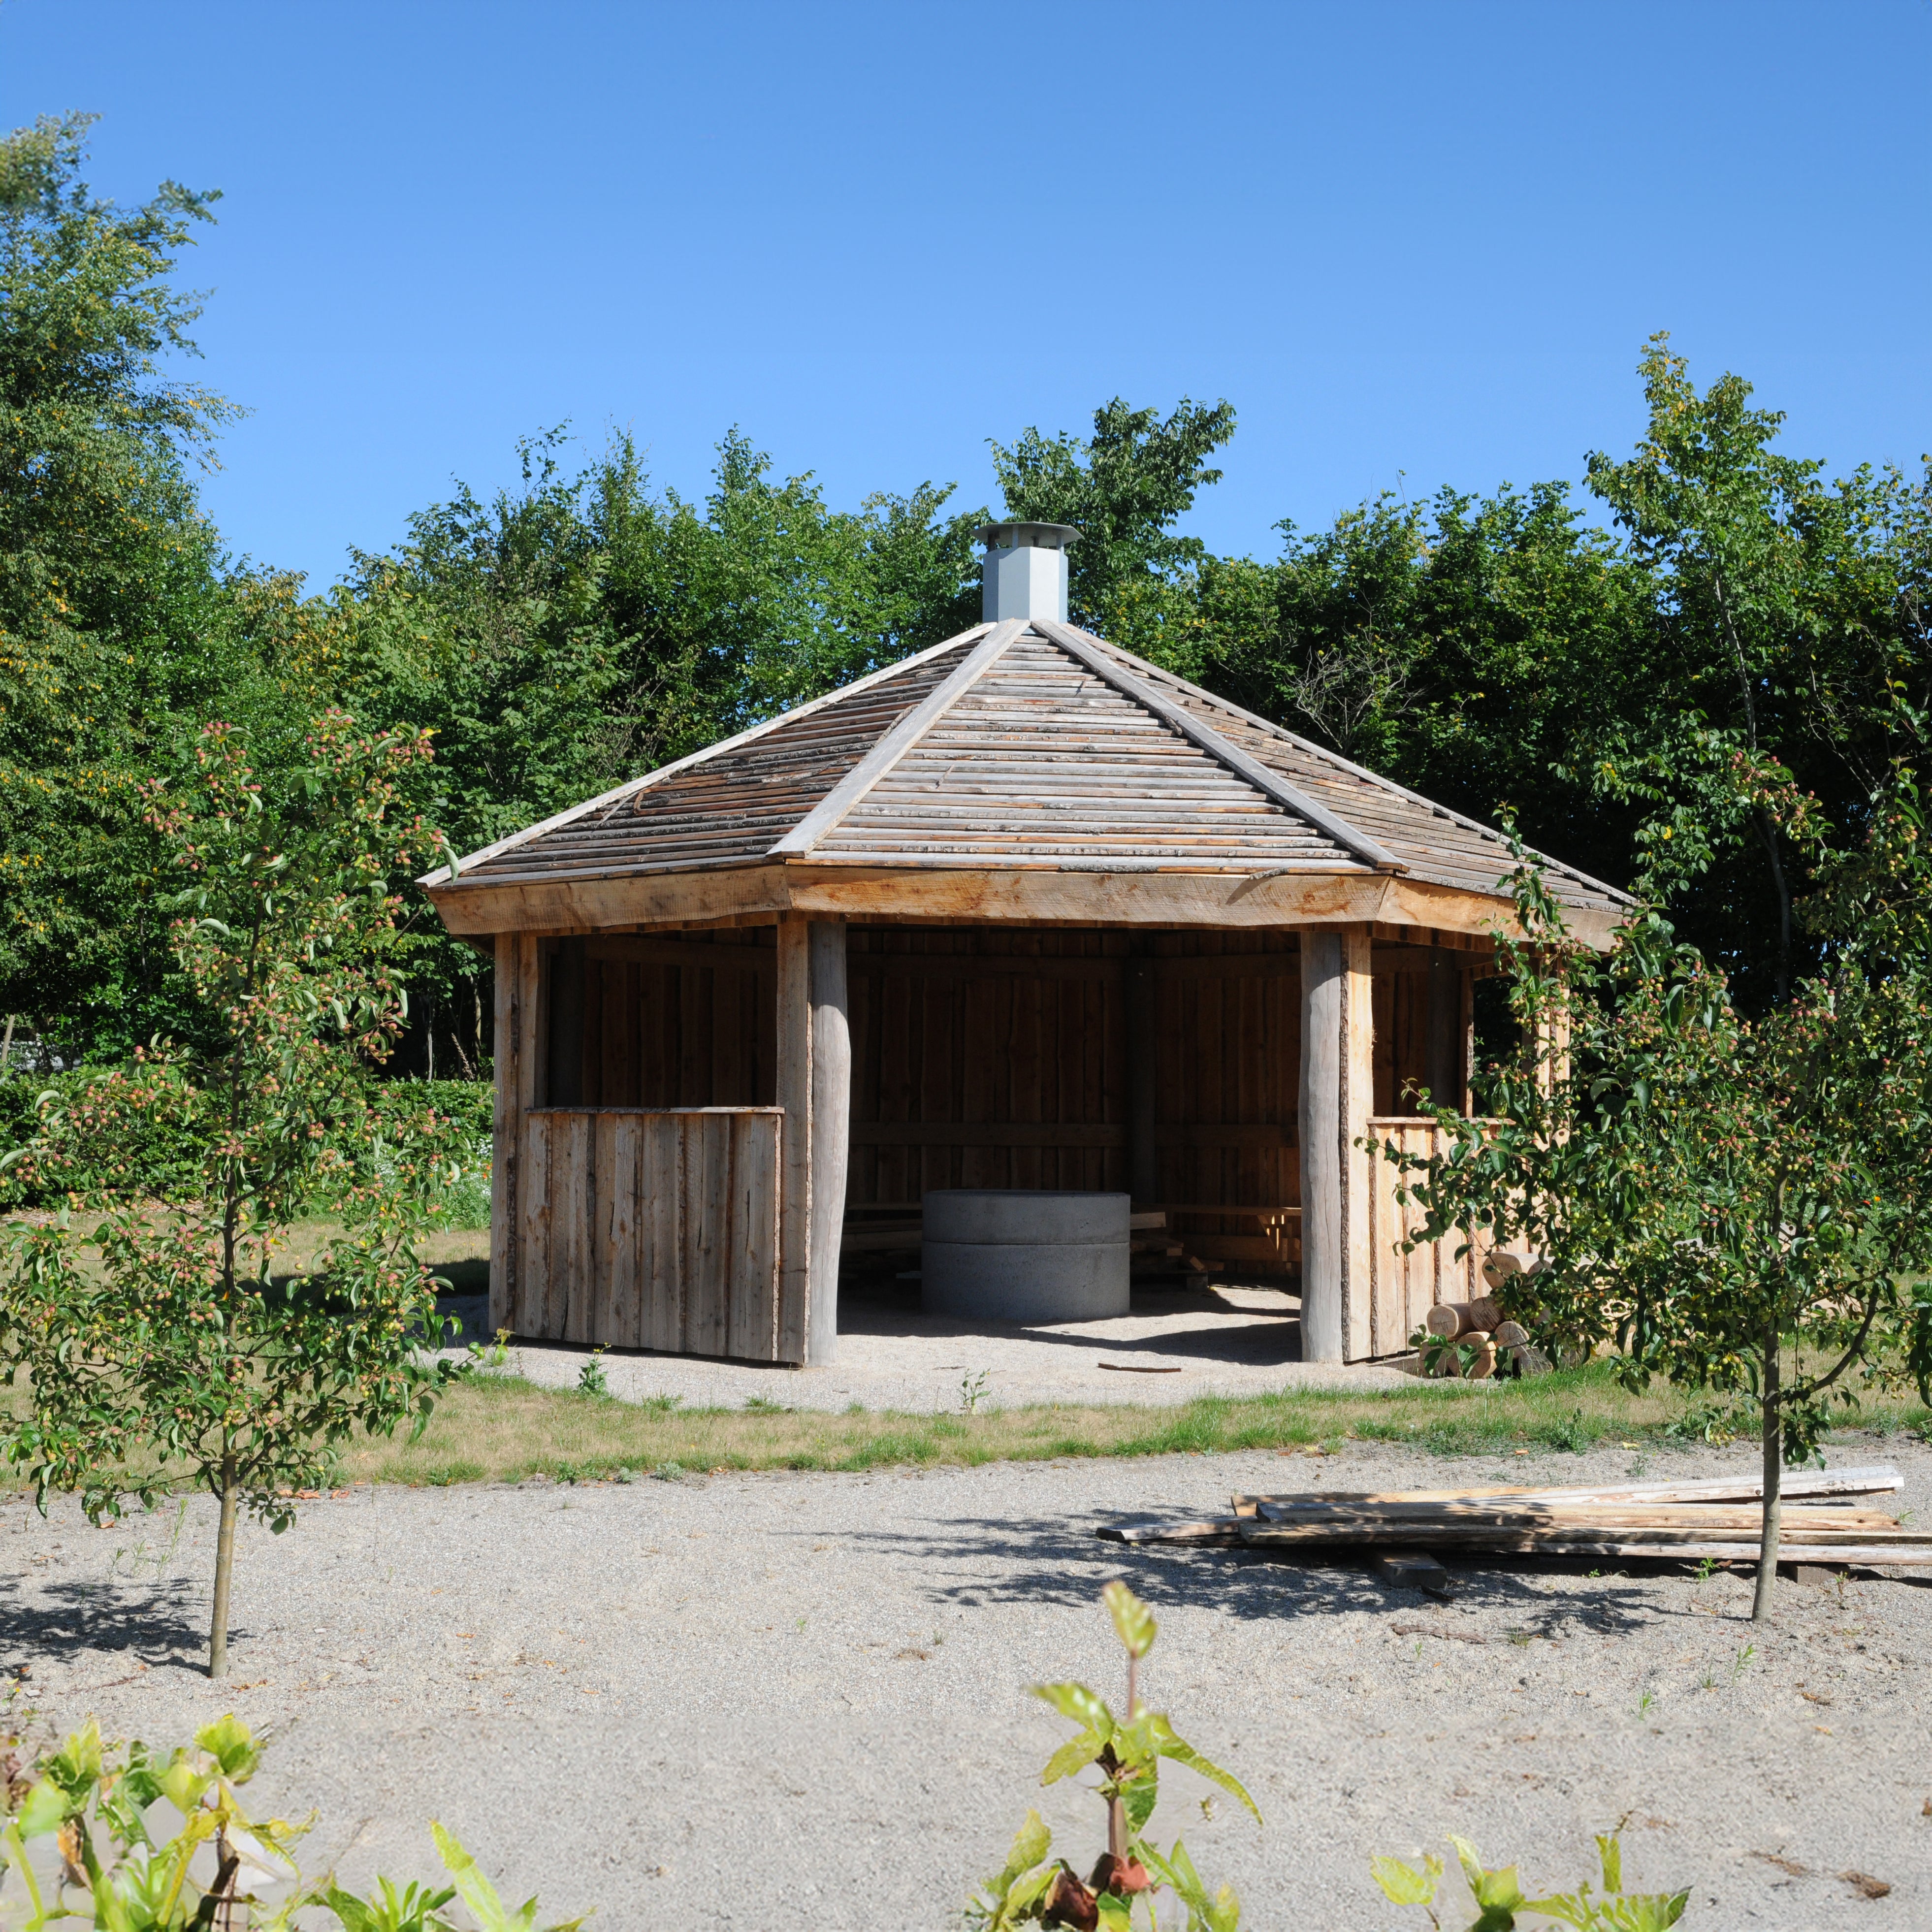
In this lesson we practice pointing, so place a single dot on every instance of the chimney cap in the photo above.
(1023, 536)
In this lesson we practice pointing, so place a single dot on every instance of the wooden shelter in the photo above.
(1022, 910)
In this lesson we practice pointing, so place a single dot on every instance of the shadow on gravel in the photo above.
(1008, 1560)
(64, 1621)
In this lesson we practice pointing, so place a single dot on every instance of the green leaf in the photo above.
(1076, 1702)
(1031, 1842)
(1161, 1735)
(1076, 1754)
(47, 1809)
(231, 1745)
(1403, 1885)
(1133, 1621)
(1610, 1852)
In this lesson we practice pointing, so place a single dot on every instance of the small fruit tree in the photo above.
(154, 1338)
(1126, 1751)
(1741, 1206)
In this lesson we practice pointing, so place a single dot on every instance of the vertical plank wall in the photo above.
(651, 1228)
(1404, 1287)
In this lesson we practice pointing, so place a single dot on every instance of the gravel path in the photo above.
(769, 1700)
(1232, 1339)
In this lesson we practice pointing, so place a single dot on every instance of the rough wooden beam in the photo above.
(988, 895)
(831, 1122)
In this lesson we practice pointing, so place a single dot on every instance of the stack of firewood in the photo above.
(1822, 1522)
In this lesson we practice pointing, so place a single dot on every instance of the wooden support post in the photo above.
(831, 1133)
(1443, 1074)
(506, 1126)
(518, 1087)
(814, 1068)
(1337, 1093)
(1143, 1160)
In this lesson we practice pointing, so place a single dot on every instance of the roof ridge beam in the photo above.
(445, 875)
(799, 842)
(1271, 784)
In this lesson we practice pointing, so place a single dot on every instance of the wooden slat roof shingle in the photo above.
(1027, 745)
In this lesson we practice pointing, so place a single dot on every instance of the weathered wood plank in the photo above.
(1152, 894)
(755, 1183)
(662, 1264)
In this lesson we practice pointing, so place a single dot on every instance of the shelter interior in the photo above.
(1162, 1062)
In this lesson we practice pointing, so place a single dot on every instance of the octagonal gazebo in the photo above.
(1021, 910)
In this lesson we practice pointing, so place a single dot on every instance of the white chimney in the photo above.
(1025, 574)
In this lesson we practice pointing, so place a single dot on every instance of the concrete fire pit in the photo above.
(1022, 1255)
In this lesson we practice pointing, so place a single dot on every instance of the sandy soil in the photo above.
(770, 1700)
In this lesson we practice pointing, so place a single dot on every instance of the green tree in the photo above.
(1131, 576)
(582, 628)
(1791, 623)
(1737, 1205)
(118, 634)
(176, 1345)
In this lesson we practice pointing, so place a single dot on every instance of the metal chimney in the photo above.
(1025, 572)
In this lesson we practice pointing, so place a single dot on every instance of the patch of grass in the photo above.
(501, 1428)
(513, 1429)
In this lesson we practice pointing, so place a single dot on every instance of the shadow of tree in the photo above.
(56, 1622)
(976, 1561)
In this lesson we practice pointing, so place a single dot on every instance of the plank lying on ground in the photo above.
(1515, 1514)
(1867, 1482)
(1202, 1529)
(1909, 1546)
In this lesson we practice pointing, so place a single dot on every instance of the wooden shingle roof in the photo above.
(1028, 744)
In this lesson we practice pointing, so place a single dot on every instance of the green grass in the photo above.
(501, 1429)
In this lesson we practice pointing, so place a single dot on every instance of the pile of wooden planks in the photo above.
(1824, 1520)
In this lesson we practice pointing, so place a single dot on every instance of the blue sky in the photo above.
(1414, 245)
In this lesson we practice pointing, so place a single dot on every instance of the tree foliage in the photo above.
(1741, 1205)
(159, 1337)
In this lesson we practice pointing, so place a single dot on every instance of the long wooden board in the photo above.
(1875, 1480)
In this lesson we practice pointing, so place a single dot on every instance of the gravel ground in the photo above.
(768, 1699)
(1178, 1343)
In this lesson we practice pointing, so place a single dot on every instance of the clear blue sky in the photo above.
(1408, 242)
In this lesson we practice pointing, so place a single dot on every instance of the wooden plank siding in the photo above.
(651, 1228)
(1404, 1287)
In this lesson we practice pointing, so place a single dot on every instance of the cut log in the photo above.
(1498, 1267)
(1509, 1335)
(1482, 1363)
(1445, 1319)
(1483, 1314)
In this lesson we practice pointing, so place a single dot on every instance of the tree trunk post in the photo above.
(1773, 1482)
(814, 1088)
(224, 1572)
(1337, 1093)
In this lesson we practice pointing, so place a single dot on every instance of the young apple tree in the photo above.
(1741, 1206)
(152, 1338)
